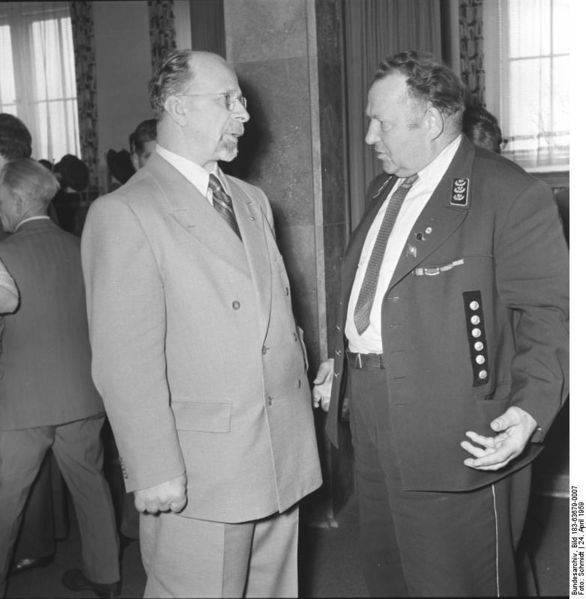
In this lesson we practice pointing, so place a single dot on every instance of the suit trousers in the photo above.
(37, 531)
(188, 557)
(422, 543)
(78, 450)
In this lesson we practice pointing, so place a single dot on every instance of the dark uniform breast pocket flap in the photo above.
(210, 417)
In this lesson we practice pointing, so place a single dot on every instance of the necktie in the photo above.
(223, 204)
(368, 289)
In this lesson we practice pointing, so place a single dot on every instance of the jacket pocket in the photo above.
(207, 417)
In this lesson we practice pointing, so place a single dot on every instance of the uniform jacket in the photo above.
(195, 349)
(475, 318)
(45, 363)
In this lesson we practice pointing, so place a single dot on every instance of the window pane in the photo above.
(561, 95)
(48, 59)
(529, 97)
(7, 86)
(561, 26)
(529, 27)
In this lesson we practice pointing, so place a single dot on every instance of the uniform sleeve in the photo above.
(126, 314)
(532, 269)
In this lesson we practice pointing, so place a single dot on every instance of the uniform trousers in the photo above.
(188, 557)
(78, 450)
(420, 543)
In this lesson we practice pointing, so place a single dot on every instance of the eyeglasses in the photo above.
(230, 99)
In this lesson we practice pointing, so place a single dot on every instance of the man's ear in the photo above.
(434, 121)
(176, 109)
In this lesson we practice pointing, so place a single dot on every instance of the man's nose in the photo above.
(240, 113)
(371, 135)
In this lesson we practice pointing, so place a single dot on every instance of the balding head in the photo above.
(200, 106)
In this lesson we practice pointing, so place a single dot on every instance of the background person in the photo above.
(44, 516)
(48, 399)
(142, 142)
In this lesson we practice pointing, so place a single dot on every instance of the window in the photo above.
(37, 74)
(527, 60)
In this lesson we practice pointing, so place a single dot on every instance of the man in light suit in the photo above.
(196, 352)
(453, 337)
(48, 400)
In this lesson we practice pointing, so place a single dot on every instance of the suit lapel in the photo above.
(441, 215)
(252, 224)
(195, 214)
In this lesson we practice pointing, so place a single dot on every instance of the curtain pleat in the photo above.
(472, 51)
(82, 24)
(161, 30)
(376, 29)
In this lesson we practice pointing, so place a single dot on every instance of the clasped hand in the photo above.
(514, 429)
(168, 496)
(322, 385)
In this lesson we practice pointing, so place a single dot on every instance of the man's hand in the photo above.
(170, 495)
(515, 427)
(322, 385)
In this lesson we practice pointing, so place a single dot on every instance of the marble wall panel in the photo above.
(275, 152)
(260, 29)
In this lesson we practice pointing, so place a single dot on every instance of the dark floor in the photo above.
(329, 558)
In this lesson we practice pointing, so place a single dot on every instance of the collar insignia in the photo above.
(460, 192)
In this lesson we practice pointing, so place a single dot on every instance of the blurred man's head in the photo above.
(26, 188)
(142, 142)
(482, 128)
(15, 139)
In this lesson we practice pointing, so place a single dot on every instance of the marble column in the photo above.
(289, 59)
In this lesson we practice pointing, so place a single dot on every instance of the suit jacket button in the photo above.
(269, 400)
(236, 305)
(265, 349)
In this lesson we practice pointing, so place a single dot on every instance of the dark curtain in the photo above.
(82, 24)
(472, 51)
(161, 29)
(375, 29)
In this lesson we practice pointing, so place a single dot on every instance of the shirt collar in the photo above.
(193, 172)
(432, 174)
(30, 218)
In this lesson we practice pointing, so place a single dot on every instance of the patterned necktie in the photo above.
(223, 204)
(369, 284)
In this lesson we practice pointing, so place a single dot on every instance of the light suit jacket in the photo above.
(475, 318)
(195, 349)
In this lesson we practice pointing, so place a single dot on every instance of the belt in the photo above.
(366, 361)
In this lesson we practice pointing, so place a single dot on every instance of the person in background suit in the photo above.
(452, 337)
(35, 546)
(142, 142)
(48, 398)
(196, 352)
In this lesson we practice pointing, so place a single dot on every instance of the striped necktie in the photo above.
(369, 284)
(223, 204)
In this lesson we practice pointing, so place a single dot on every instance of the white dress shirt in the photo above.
(194, 173)
(370, 342)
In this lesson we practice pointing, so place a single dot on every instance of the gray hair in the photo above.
(171, 77)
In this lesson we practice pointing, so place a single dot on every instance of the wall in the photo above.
(123, 60)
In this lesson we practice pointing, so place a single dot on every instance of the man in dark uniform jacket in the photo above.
(48, 400)
(453, 338)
